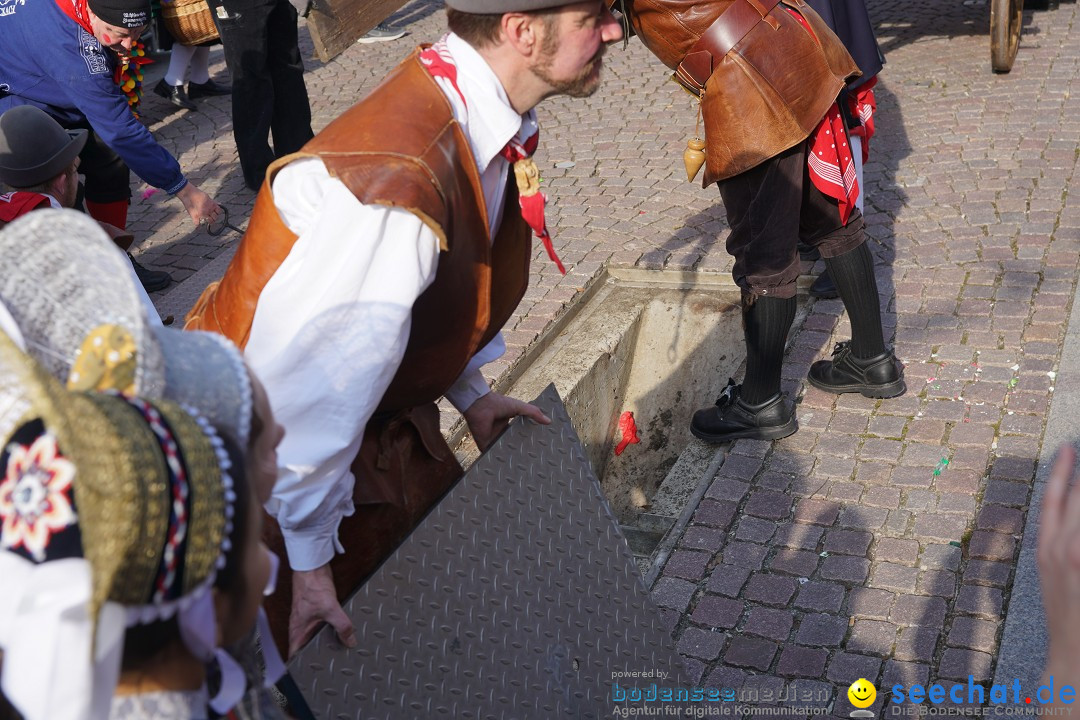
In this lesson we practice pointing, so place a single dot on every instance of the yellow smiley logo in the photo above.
(861, 693)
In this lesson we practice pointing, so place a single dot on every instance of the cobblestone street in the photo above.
(881, 540)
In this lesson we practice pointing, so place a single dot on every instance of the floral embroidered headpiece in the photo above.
(114, 511)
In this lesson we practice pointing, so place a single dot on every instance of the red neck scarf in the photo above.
(77, 11)
(128, 74)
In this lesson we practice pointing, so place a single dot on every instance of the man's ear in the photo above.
(520, 31)
(57, 185)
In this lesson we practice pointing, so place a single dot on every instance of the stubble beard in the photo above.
(584, 84)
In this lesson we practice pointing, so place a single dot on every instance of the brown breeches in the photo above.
(770, 208)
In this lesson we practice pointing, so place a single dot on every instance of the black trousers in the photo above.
(269, 96)
(108, 178)
(771, 207)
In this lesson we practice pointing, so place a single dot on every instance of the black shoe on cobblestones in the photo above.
(824, 287)
(152, 280)
(731, 419)
(207, 89)
(876, 377)
(176, 94)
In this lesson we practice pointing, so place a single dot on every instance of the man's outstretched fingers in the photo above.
(534, 413)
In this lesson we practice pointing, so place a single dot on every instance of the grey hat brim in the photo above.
(48, 169)
(499, 7)
(206, 373)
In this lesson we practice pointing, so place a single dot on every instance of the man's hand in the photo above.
(489, 416)
(200, 206)
(1059, 567)
(314, 601)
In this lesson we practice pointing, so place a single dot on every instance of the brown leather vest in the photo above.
(767, 93)
(399, 147)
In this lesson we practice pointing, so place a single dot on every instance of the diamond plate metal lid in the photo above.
(517, 597)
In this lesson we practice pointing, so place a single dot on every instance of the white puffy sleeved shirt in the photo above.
(331, 325)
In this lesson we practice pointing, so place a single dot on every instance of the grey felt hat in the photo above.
(34, 148)
(62, 278)
(498, 7)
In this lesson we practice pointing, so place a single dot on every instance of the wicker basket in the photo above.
(189, 21)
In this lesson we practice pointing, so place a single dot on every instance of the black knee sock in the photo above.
(853, 274)
(765, 326)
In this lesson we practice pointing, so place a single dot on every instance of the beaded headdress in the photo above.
(83, 316)
(115, 511)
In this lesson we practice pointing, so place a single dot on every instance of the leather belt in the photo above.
(724, 34)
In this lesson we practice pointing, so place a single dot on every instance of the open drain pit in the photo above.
(657, 344)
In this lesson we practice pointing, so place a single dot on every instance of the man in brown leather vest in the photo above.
(768, 73)
(378, 267)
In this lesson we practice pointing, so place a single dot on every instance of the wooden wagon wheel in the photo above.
(1006, 17)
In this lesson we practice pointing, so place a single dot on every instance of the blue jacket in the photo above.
(49, 60)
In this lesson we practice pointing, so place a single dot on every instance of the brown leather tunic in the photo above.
(399, 147)
(767, 94)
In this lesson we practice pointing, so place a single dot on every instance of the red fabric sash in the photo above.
(77, 11)
(14, 205)
(863, 106)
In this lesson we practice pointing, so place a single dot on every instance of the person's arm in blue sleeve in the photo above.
(106, 108)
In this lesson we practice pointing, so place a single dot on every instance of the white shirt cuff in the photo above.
(467, 389)
(311, 548)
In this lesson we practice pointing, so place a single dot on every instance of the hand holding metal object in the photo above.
(223, 224)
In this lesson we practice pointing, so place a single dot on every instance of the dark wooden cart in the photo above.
(1006, 19)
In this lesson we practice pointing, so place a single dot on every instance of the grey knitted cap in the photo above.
(498, 7)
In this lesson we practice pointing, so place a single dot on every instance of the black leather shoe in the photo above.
(876, 377)
(174, 94)
(730, 418)
(152, 280)
(207, 89)
(824, 287)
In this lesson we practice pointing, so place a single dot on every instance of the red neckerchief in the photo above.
(14, 205)
(77, 11)
(128, 74)
(439, 63)
(832, 169)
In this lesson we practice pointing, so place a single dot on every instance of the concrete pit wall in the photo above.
(660, 351)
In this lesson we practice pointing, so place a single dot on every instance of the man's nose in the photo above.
(611, 29)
